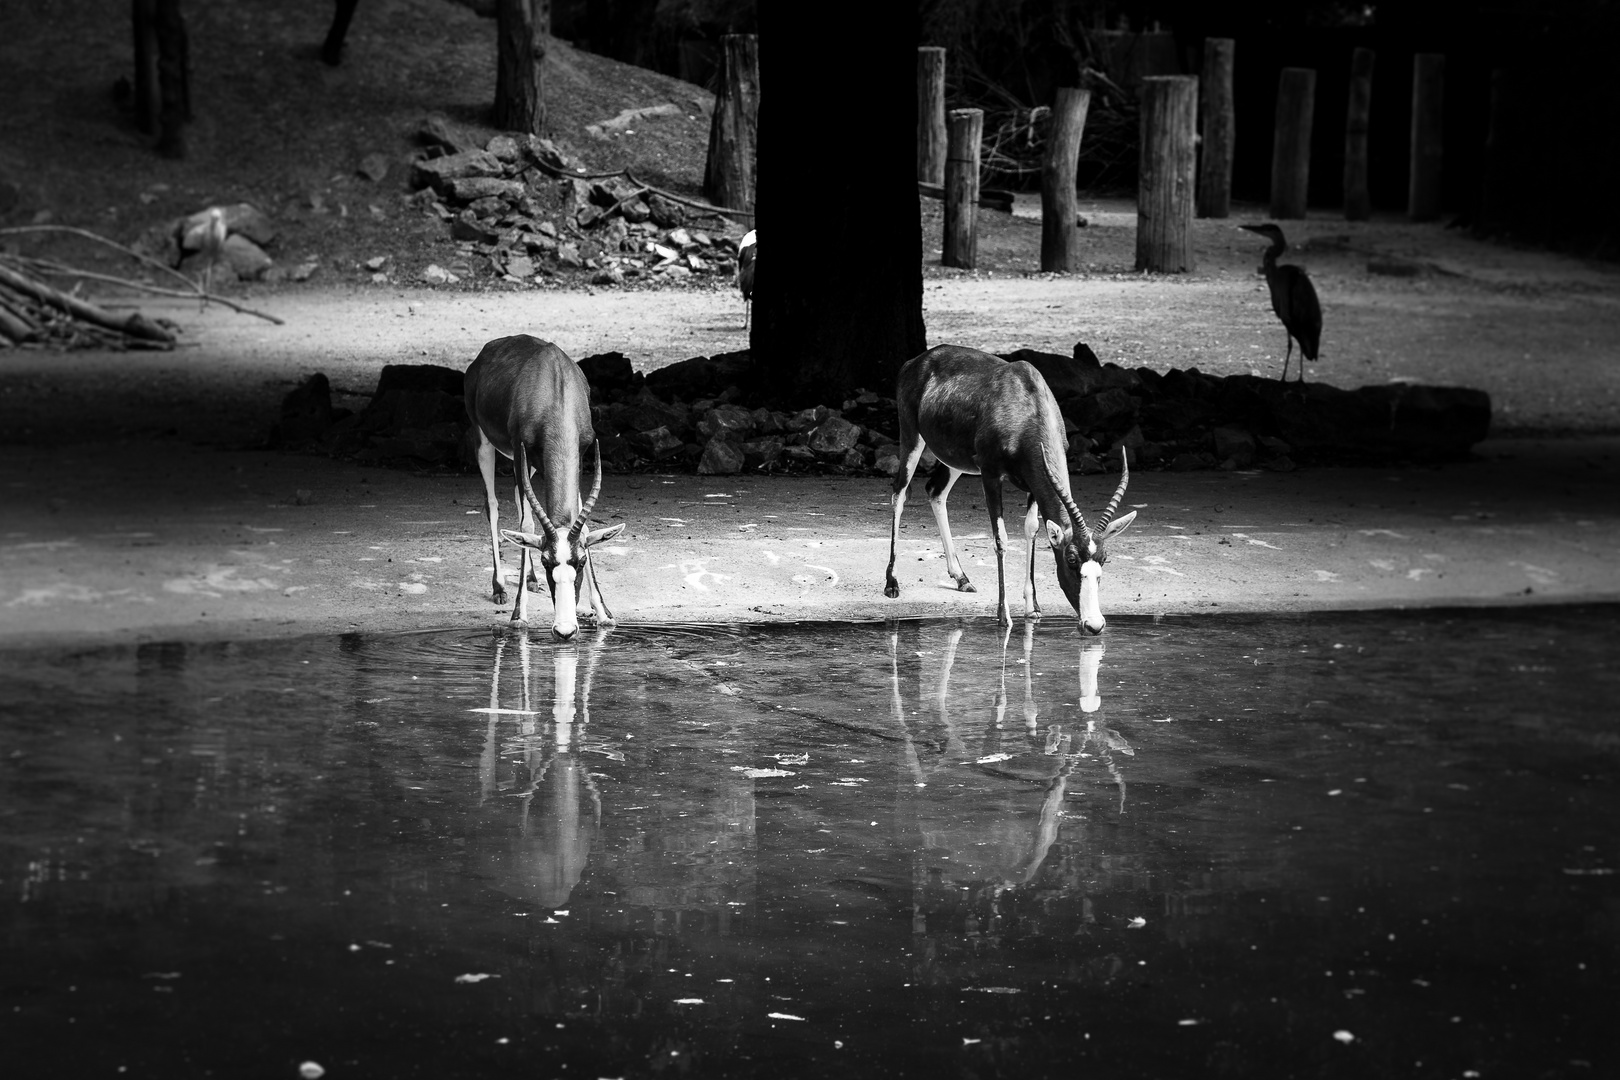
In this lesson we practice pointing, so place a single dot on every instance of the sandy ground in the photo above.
(132, 504)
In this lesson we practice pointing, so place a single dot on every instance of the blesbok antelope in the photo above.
(528, 401)
(999, 421)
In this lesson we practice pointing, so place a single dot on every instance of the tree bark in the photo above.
(931, 135)
(1291, 145)
(143, 16)
(1357, 199)
(1164, 194)
(1497, 186)
(965, 131)
(1428, 136)
(332, 48)
(1060, 204)
(174, 78)
(520, 52)
(847, 311)
(728, 178)
(1220, 130)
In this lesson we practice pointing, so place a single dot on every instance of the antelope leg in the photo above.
(992, 503)
(486, 466)
(940, 482)
(897, 503)
(1032, 527)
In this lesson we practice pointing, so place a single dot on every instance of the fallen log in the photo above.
(135, 326)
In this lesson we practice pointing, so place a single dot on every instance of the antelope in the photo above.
(981, 415)
(528, 401)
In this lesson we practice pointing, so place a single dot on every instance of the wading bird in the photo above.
(1293, 298)
(745, 273)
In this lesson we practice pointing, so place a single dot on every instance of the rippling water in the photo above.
(1376, 844)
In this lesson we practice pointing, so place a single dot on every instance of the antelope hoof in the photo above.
(498, 594)
(964, 585)
(892, 589)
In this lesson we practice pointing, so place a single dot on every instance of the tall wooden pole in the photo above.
(1495, 189)
(520, 52)
(1060, 204)
(1220, 129)
(728, 178)
(1357, 197)
(1291, 143)
(1164, 191)
(965, 129)
(1428, 135)
(931, 135)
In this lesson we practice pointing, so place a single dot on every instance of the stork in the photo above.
(745, 272)
(1293, 298)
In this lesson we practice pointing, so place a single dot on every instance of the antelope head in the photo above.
(1081, 551)
(563, 553)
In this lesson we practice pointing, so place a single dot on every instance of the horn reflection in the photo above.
(538, 850)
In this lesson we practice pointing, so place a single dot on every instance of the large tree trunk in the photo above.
(839, 306)
(520, 34)
(728, 178)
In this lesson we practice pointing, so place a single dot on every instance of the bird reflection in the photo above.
(1048, 757)
(541, 855)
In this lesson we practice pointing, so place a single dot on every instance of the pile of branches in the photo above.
(34, 312)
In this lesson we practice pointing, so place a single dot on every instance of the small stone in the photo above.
(376, 263)
(608, 275)
(520, 266)
(834, 437)
(887, 460)
(438, 275)
(373, 167)
(304, 271)
(721, 457)
(568, 255)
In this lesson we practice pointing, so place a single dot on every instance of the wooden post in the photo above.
(931, 115)
(1357, 199)
(1291, 143)
(1495, 190)
(1220, 129)
(1164, 191)
(728, 178)
(520, 52)
(964, 132)
(1428, 133)
(1060, 205)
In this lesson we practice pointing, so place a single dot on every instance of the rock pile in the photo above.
(693, 416)
(178, 243)
(517, 203)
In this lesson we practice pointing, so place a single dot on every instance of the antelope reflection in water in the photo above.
(1048, 758)
(541, 855)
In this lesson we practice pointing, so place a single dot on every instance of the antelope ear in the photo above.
(523, 539)
(1054, 534)
(1118, 525)
(594, 538)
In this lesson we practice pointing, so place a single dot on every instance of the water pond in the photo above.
(1351, 845)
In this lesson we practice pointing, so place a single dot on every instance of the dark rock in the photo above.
(306, 414)
(441, 131)
(1067, 376)
(1233, 443)
(701, 376)
(373, 167)
(609, 374)
(1190, 461)
(437, 173)
(608, 275)
(1106, 410)
(1170, 416)
(617, 452)
(854, 458)
(420, 377)
(886, 459)
(801, 454)
(466, 226)
(832, 438)
(647, 412)
(468, 188)
(763, 453)
(666, 214)
(504, 147)
(721, 457)
(659, 443)
(732, 421)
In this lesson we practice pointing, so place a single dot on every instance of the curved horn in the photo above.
(1124, 479)
(1075, 516)
(590, 500)
(521, 463)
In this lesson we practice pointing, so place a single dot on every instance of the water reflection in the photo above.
(919, 847)
(533, 763)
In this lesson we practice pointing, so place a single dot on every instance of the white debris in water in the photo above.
(311, 1070)
(792, 759)
(475, 977)
(1189, 1022)
(969, 1042)
(992, 989)
(689, 1001)
(785, 1016)
(755, 774)
(1344, 1036)
(988, 758)
(1137, 923)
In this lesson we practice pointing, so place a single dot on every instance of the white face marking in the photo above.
(1091, 595)
(563, 622)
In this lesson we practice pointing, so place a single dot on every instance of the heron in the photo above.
(1293, 298)
(214, 233)
(745, 272)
